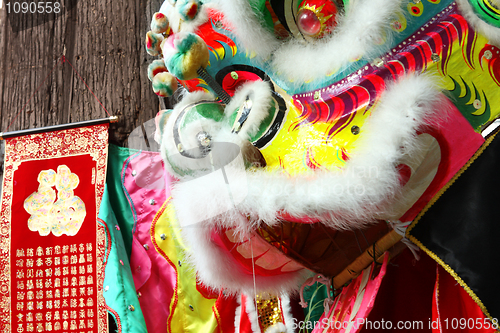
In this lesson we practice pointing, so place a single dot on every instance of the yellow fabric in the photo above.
(190, 311)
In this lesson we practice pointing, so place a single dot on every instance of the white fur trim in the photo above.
(176, 22)
(386, 138)
(252, 313)
(348, 199)
(237, 316)
(364, 23)
(248, 27)
(277, 328)
(287, 313)
(491, 32)
(261, 97)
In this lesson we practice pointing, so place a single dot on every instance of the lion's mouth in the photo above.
(290, 247)
(252, 254)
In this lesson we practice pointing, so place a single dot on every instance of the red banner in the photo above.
(51, 246)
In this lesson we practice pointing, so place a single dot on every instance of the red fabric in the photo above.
(55, 252)
(245, 324)
(224, 310)
(230, 85)
(453, 308)
(405, 293)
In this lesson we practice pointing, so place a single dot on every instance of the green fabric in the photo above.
(314, 296)
(118, 200)
(119, 289)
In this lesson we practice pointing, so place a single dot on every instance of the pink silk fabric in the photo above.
(146, 185)
(353, 305)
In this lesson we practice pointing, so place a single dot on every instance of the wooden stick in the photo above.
(358, 265)
(13, 134)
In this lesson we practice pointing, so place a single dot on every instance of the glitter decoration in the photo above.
(269, 311)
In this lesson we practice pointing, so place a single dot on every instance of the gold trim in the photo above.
(217, 318)
(429, 205)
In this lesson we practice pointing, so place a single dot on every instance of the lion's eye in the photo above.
(315, 18)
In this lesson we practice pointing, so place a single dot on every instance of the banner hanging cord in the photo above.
(61, 61)
(63, 58)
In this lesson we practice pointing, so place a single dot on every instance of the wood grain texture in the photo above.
(104, 41)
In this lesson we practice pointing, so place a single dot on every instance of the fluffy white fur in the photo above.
(261, 98)
(176, 22)
(237, 316)
(491, 32)
(277, 328)
(364, 23)
(404, 107)
(347, 199)
(287, 313)
(248, 27)
(251, 313)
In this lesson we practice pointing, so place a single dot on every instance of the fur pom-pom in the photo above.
(188, 9)
(184, 53)
(159, 23)
(153, 43)
(156, 67)
(164, 84)
(185, 15)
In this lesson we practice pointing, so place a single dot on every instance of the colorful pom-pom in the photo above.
(188, 9)
(159, 23)
(153, 42)
(156, 67)
(164, 84)
(184, 53)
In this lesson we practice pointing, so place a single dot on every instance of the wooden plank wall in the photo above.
(104, 40)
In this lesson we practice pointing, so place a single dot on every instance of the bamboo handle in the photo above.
(358, 265)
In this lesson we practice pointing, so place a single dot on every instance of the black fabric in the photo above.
(279, 9)
(463, 227)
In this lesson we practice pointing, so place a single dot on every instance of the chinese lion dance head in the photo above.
(307, 124)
